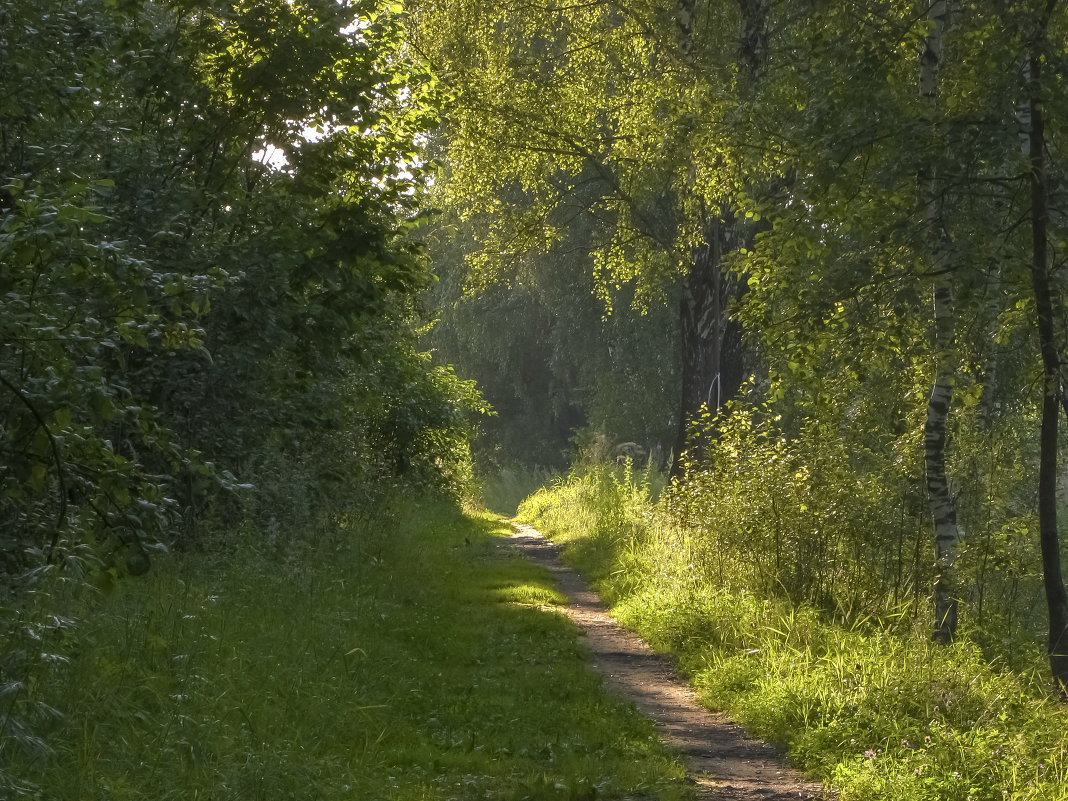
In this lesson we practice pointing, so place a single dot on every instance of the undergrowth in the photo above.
(874, 710)
(406, 657)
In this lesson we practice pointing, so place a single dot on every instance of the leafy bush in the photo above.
(182, 318)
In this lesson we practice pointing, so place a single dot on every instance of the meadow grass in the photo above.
(412, 657)
(875, 714)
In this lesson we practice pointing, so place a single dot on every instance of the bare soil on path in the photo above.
(724, 763)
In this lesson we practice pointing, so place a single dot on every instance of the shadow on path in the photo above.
(726, 765)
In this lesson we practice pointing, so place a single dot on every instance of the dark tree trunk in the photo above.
(713, 366)
(1056, 599)
(713, 360)
(699, 331)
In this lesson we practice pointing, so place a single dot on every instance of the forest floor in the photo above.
(724, 763)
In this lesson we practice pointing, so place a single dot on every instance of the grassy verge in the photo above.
(874, 714)
(413, 660)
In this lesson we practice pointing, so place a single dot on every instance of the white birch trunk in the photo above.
(940, 497)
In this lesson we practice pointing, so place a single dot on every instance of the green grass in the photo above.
(875, 714)
(503, 489)
(413, 659)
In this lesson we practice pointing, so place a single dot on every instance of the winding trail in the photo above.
(725, 764)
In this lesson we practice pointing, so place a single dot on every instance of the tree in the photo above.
(181, 317)
(616, 114)
(547, 356)
(943, 507)
(1038, 51)
(792, 191)
(896, 194)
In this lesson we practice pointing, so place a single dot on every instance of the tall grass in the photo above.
(407, 657)
(504, 488)
(866, 704)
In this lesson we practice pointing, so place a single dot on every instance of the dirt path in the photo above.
(725, 764)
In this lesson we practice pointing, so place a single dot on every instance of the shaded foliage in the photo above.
(204, 267)
(550, 359)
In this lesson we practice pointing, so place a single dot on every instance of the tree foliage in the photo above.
(548, 357)
(207, 289)
(842, 165)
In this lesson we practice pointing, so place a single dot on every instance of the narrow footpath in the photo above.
(725, 764)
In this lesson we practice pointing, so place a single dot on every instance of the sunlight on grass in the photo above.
(532, 594)
(874, 713)
(504, 488)
(387, 662)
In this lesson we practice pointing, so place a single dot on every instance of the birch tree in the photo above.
(943, 507)
(877, 295)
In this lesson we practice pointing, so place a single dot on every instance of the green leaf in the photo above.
(38, 476)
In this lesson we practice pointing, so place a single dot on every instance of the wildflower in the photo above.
(869, 754)
(905, 744)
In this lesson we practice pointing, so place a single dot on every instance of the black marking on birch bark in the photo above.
(940, 499)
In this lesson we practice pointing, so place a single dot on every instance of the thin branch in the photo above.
(60, 469)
